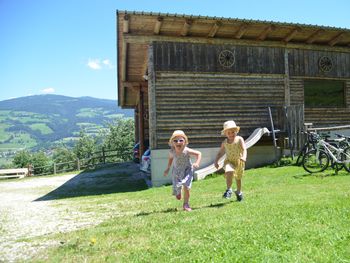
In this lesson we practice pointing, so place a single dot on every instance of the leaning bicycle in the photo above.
(325, 154)
(310, 143)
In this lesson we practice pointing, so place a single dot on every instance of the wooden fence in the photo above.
(95, 159)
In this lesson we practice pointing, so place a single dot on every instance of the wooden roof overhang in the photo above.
(136, 30)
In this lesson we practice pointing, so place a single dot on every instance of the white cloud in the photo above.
(97, 64)
(94, 64)
(108, 63)
(48, 90)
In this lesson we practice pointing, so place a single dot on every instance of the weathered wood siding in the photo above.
(191, 90)
(200, 103)
(306, 63)
(323, 117)
(190, 57)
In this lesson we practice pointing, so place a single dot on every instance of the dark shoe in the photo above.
(227, 194)
(239, 196)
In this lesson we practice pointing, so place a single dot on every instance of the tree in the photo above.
(85, 146)
(120, 138)
(41, 163)
(64, 158)
(22, 159)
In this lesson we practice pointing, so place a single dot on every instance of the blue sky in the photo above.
(68, 47)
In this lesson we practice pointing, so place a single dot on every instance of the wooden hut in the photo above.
(195, 72)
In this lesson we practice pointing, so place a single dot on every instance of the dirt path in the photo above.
(22, 216)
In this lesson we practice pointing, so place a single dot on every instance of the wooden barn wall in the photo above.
(191, 90)
(169, 56)
(306, 63)
(323, 117)
(200, 103)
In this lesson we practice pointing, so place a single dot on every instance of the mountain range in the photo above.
(40, 121)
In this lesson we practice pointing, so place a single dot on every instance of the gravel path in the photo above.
(21, 216)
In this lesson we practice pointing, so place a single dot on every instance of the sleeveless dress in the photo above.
(182, 173)
(233, 162)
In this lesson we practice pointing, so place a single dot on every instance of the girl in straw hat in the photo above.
(236, 155)
(182, 173)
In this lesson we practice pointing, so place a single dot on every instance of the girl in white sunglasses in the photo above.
(182, 173)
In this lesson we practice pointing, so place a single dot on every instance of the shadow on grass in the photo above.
(324, 174)
(174, 210)
(119, 178)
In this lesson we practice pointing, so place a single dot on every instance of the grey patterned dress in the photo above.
(182, 171)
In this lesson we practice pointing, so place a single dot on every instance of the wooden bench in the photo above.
(13, 173)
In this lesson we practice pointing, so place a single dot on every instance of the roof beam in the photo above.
(124, 58)
(186, 27)
(126, 24)
(147, 39)
(266, 31)
(291, 34)
(214, 29)
(158, 25)
(242, 29)
(336, 39)
(312, 38)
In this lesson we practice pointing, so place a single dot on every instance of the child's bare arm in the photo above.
(170, 161)
(219, 155)
(244, 147)
(198, 156)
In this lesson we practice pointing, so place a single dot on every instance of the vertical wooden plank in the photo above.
(286, 79)
(152, 99)
(140, 122)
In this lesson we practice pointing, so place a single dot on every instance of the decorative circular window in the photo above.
(325, 64)
(226, 58)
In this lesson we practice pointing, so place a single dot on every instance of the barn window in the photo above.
(324, 93)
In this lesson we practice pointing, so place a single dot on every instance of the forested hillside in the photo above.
(41, 121)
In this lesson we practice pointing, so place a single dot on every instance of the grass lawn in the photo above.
(287, 216)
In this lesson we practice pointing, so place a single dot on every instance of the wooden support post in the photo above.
(272, 128)
(54, 168)
(78, 164)
(103, 155)
(140, 121)
(286, 79)
(152, 100)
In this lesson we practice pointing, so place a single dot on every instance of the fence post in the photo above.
(54, 168)
(103, 155)
(78, 164)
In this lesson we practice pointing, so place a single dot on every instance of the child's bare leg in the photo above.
(239, 185)
(229, 176)
(186, 195)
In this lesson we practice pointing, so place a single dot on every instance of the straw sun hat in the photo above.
(178, 133)
(229, 125)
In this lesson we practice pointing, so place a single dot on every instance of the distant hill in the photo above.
(40, 121)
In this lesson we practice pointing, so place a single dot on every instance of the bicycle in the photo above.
(318, 159)
(344, 141)
(310, 143)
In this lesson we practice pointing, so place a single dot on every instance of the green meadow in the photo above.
(287, 215)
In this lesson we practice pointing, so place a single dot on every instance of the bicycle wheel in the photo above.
(300, 157)
(301, 154)
(345, 157)
(315, 161)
